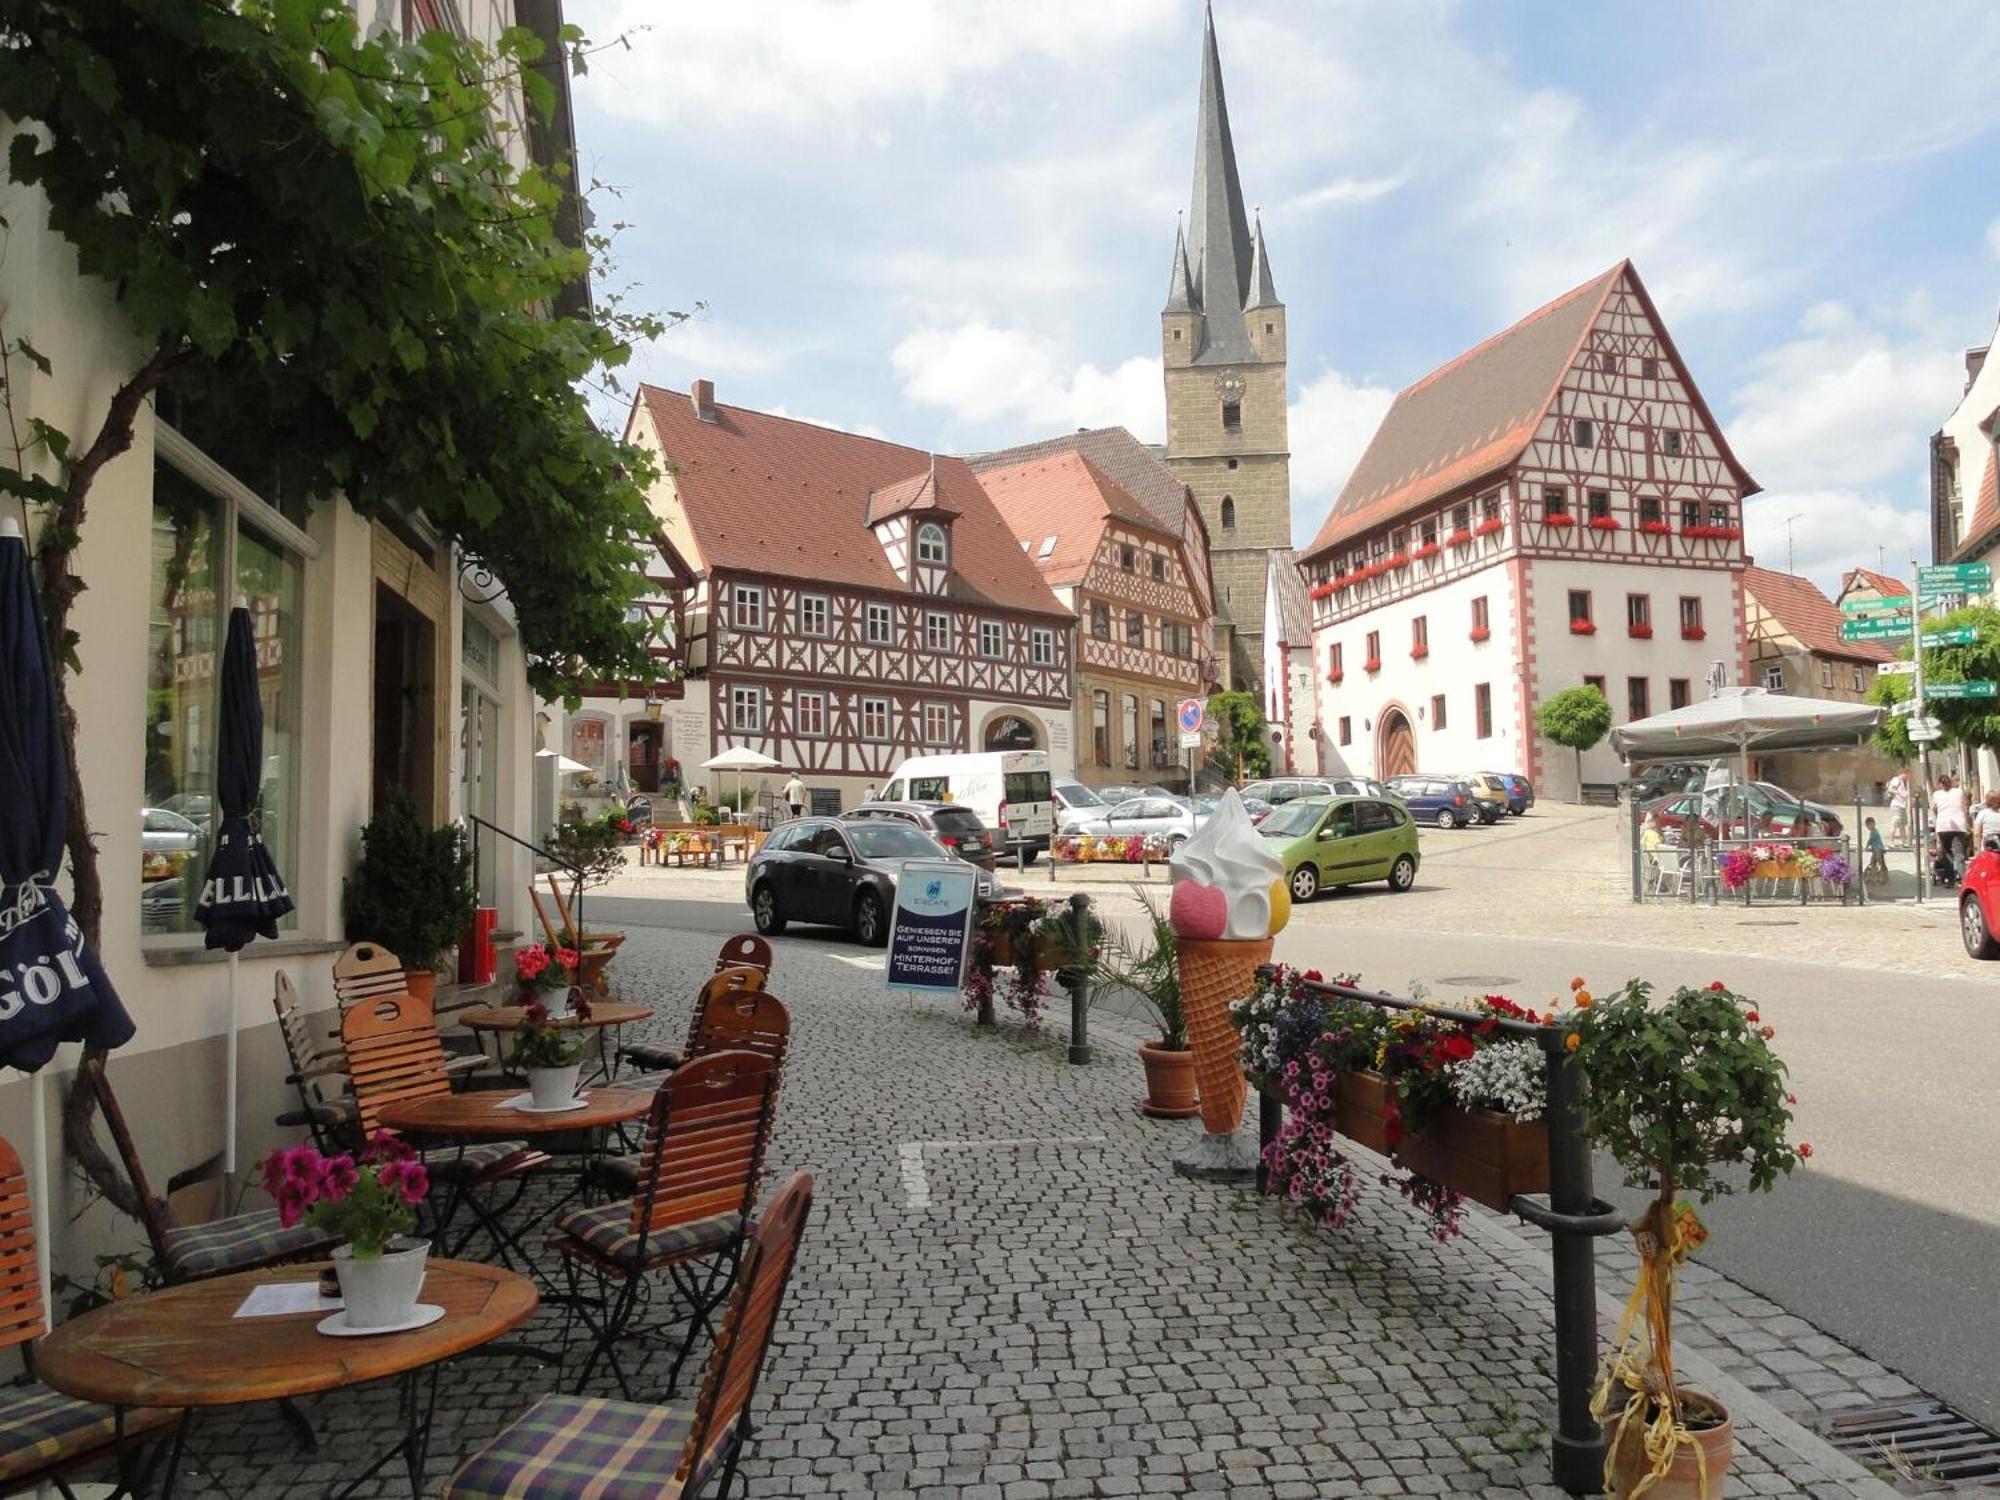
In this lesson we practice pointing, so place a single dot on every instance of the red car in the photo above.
(1769, 817)
(1979, 905)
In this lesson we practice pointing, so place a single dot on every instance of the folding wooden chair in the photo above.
(368, 971)
(744, 951)
(326, 1103)
(196, 1252)
(393, 1054)
(698, 1174)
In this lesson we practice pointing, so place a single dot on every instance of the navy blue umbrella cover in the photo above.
(52, 988)
(243, 895)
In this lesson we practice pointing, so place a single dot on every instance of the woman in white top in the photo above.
(1986, 822)
(1949, 821)
(1899, 807)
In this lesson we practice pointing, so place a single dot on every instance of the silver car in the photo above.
(1170, 818)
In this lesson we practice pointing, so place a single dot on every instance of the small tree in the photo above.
(413, 891)
(1240, 752)
(1973, 722)
(1577, 717)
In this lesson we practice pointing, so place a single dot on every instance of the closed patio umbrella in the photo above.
(739, 759)
(242, 895)
(52, 987)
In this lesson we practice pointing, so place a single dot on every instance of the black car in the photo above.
(834, 874)
(957, 828)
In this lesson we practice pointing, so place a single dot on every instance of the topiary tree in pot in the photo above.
(1688, 1097)
(413, 890)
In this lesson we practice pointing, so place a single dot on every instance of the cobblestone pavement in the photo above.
(1005, 1294)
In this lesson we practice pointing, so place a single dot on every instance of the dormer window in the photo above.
(931, 546)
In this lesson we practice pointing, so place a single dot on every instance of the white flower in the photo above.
(1508, 1076)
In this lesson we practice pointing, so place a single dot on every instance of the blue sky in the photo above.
(949, 221)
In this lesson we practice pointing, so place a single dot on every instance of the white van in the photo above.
(1008, 789)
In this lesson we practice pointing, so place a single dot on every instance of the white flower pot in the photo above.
(380, 1291)
(558, 1003)
(554, 1087)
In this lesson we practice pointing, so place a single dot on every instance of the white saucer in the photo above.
(426, 1314)
(525, 1103)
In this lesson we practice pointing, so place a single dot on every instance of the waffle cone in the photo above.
(1213, 973)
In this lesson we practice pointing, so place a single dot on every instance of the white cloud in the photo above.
(1330, 423)
(703, 349)
(1345, 190)
(985, 375)
(1835, 530)
(1849, 403)
(861, 429)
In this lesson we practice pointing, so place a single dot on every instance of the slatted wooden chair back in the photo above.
(310, 1061)
(742, 1020)
(368, 971)
(705, 1139)
(744, 951)
(152, 1212)
(722, 982)
(745, 1340)
(22, 1315)
(393, 1054)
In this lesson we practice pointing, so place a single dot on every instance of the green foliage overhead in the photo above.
(1576, 718)
(413, 891)
(592, 847)
(1965, 721)
(322, 234)
(1240, 751)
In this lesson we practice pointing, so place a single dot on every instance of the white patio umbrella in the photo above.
(740, 760)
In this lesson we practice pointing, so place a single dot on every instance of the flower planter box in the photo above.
(1373, 664)
(1582, 627)
(1639, 632)
(1050, 953)
(1361, 1104)
(1463, 538)
(1483, 1154)
(1479, 633)
(1488, 528)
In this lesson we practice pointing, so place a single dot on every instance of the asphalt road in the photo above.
(1889, 1239)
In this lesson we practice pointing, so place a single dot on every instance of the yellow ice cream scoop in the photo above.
(1281, 906)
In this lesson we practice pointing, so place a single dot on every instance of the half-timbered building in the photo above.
(1795, 647)
(853, 602)
(1556, 506)
(1141, 599)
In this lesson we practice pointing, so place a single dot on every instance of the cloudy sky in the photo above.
(949, 221)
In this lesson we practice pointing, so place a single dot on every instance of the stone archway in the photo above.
(1011, 731)
(1396, 745)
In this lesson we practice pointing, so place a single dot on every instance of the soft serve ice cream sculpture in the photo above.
(1229, 900)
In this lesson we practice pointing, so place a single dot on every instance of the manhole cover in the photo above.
(1478, 981)
(1924, 1443)
(1767, 924)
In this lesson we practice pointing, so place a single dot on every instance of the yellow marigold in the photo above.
(1572, 1041)
(1583, 999)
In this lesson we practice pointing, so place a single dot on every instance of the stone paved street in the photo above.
(1006, 1294)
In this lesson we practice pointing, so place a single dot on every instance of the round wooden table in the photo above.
(184, 1347)
(483, 1112)
(603, 1013)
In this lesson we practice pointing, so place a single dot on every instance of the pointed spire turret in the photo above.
(1180, 286)
(1262, 292)
(1218, 241)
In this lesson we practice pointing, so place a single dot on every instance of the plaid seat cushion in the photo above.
(448, 1162)
(568, 1447)
(656, 1055)
(616, 1174)
(40, 1428)
(237, 1244)
(607, 1229)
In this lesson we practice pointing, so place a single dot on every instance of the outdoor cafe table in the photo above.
(183, 1347)
(503, 1019)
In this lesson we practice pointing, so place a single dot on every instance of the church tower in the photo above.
(1222, 337)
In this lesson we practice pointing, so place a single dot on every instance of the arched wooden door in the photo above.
(1398, 755)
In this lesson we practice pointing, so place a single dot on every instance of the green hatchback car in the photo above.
(1328, 841)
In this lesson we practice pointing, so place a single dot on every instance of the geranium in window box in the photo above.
(1560, 518)
(1463, 537)
(1655, 528)
(1488, 526)
(1480, 633)
(1397, 561)
(1373, 664)
(1418, 653)
(1693, 633)
(1320, 590)
(1583, 627)
(1605, 523)
(1336, 676)
(1427, 549)
(1639, 632)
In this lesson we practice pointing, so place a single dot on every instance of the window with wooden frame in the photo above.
(1649, 510)
(881, 625)
(1437, 710)
(1678, 692)
(1690, 513)
(1042, 646)
(809, 715)
(1690, 614)
(1583, 432)
(992, 638)
(1100, 727)
(931, 544)
(1100, 620)
(1128, 557)
(1600, 505)
(937, 630)
(937, 723)
(1481, 624)
(1555, 501)
(1670, 442)
(1579, 607)
(746, 606)
(1334, 670)
(1135, 628)
(813, 613)
(1638, 697)
(1420, 637)
(1374, 651)
(746, 709)
(1639, 613)
(1346, 730)
(1158, 563)
(874, 718)
(1482, 710)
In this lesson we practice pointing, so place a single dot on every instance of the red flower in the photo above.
(1313, 976)
(530, 962)
(536, 1013)
(1455, 1048)
(1719, 987)
(383, 1146)
(340, 1176)
(1768, 1032)
(1805, 1150)
(1752, 1016)
(1791, 1098)
(567, 957)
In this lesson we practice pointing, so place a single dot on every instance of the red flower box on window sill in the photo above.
(1583, 627)
(1373, 664)
(1428, 549)
(1488, 527)
(1397, 561)
(1418, 653)
(1319, 590)
(1335, 676)
(1463, 538)
(1561, 518)
(1605, 523)
(1713, 533)
(1481, 633)
(1639, 632)
(1655, 528)
(1693, 633)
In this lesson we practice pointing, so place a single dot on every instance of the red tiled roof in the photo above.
(1476, 415)
(1985, 511)
(773, 495)
(1067, 497)
(1807, 615)
(1881, 583)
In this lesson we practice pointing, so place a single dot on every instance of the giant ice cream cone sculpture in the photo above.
(1229, 901)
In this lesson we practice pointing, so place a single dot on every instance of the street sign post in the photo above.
(1951, 635)
(1887, 629)
(1895, 668)
(1192, 714)
(1956, 577)
(1897, 606)
(1923, 731)
(1903, 708)
(1979, 687)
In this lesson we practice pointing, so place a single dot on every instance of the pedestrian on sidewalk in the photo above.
(795, 796)
(1986, 822)
(1899, 806)
(1949, 819)
(1878, 854)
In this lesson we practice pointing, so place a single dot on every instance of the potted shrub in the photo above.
(548, 976)
(1150, 968)
(413, 890)
(550, 1053)
(371, 1204)
(1680, 1090)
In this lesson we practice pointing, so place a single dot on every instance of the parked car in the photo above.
(1489, 795)
(1169, 817)
(165, 832)
(1008, 789)
(1278, 790)
(1520, 791)
(957, 828)
(1780, 816)
(1111, 796)
(833, 874)
(1335, 841)
(1655, 782)
(1074, 802)
(197, 807)
(1979, 903)
(1443, 800)
(1257, 807)
(1823, 818)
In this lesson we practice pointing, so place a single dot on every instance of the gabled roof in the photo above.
(1066, 499)
(1881, 583)
(1985, 519)
(1288, 592)
(1120, 457)
(1475, 416)
(920, 492)
(1807, 615)
(773, 495)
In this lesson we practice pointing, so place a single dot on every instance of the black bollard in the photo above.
(1076, 976)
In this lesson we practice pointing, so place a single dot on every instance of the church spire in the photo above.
(1218, 240)
(1262, 292)
(1180, 287)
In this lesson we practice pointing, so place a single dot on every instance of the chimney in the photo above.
(1975, 361)
(702, 394)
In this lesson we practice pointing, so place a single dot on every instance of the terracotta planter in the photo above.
(1483, 1154)
(422, 984)
(1698, 1472)
(1170, 1083)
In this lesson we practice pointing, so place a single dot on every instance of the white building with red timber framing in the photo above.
(1554, 507)
(853, 602)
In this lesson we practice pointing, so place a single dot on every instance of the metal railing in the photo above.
(477, 823)
(1574, 1217)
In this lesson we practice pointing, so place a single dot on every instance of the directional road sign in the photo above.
(1951, 635)
(1972, 575)
(1897, 606)
(1924, 730)
(1895, 668)
(1979, 687)
(1903, 709)
(1874, 630)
